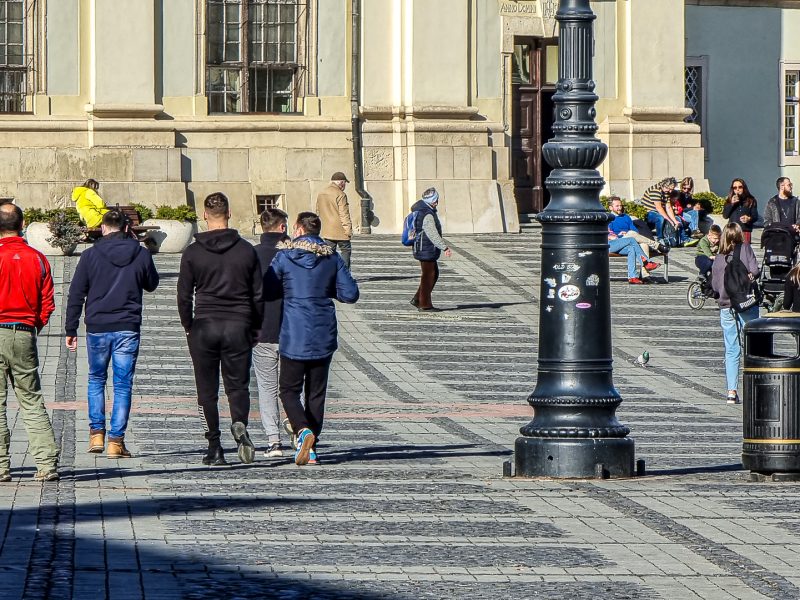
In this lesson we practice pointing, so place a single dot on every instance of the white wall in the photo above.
(63, 48)
(332, 33)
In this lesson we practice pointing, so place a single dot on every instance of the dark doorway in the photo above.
(534, 72)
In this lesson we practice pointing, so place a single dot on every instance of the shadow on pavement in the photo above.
(370, 453)
(697, 470)
(483, 305)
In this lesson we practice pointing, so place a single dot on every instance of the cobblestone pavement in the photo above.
(410, 502)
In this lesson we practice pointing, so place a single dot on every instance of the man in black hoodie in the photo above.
(109, 279)
(221, 309)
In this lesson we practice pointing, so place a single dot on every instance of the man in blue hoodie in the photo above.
(109, 280)
(308, 274)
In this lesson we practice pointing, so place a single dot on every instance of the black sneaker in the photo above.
(663, 249)
(215, 457)
(247, 451)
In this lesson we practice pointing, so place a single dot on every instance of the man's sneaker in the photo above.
(247, 451)
(48, 475)
(305, 443)
(287, 427)
(312, 457)
(215, 457)
(635, 281)
(97, 441)
(733, 398)
(5, 476)
(273, 451)
(697, 234)
(662, 248)
(651, 266)
(117, 449)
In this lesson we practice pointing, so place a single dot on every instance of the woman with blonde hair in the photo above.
(731, 321)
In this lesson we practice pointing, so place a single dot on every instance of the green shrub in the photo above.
(176, 213)
(34, 215)
(710, 202)
(41, 215)
(144, 212)
(636, 211)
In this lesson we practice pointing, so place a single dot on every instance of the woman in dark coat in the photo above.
(741, 207)
(428, 247)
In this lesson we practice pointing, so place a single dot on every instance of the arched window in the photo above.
(255, 52)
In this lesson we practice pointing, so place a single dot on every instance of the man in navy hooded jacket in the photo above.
(308, 274)
(109, 279)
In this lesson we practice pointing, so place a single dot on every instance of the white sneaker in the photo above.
(274, 451)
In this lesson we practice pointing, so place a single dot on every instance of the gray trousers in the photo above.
(344, 247)
(265, 361)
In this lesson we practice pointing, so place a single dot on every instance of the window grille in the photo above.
(791, 97)
(693, 78)
(13, 59)
(252, 60)
(267, 201)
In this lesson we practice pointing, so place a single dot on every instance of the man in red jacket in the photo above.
(26, 303)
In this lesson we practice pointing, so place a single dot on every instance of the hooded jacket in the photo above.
(109, 279)
(26, 284)
(220, 278)
(90, 205)
(308, 274)
(273, 309)
(424, 248)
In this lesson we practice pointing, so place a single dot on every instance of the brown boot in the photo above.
(117, 449)
(97, 441)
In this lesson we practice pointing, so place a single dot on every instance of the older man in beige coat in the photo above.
(333, 210)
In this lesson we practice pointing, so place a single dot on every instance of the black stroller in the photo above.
(780, 255)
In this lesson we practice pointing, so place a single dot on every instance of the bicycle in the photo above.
(699, 291)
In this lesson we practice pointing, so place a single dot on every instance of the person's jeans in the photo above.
(628, 247)
(19, 363)
(693, 218)
(344, 247)
(311, 376)
(703, 264)
(265, 364)
(732, 333)
(216, 345)
(121, 349)
(655, 220)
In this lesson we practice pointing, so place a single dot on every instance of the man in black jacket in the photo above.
(109, 279)
(221, 309)
(265, 353)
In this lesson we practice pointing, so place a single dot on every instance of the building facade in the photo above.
(165, 101)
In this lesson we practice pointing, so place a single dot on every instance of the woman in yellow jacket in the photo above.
(90, 205)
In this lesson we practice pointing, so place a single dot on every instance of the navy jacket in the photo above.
(109, 278)
(423, 247)
(273, 309)
(308, 274)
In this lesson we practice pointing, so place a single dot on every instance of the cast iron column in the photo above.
(574, 431)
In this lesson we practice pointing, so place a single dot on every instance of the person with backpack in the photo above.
(428, 246)
(733, 278)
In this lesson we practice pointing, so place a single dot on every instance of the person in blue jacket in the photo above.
(308, 275)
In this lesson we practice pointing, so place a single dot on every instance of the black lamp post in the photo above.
(574, 431)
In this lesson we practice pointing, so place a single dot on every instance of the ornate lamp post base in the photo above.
(574, 458)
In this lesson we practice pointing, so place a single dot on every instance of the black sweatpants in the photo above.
(226, 344)
(311, 376)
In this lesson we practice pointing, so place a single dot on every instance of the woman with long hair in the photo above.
(741, 207)
(732, 322)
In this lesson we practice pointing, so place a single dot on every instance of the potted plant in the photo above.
(54, 232)
(177, 225)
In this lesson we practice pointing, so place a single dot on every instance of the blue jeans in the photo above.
(121, 348)
(656, 221)
(630, 248)
(733, 334)
(693, 217)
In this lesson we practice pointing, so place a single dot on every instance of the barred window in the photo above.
(253, 55)
(693, 80)
(13, 59)
(791, 97)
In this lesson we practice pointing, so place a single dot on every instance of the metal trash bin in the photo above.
(771, 396)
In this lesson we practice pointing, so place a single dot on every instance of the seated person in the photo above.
(90, 205)
(628, 247)
(707, 249)
(623, 226)
(656, 199)
(688, 217)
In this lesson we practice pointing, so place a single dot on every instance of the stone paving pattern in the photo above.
(409, 503)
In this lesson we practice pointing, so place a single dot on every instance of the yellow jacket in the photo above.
(90, 205)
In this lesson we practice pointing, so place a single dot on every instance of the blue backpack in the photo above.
(409, 229)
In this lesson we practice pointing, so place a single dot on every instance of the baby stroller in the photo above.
(780, 255)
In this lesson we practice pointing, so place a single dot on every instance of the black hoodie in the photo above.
(220, 279)
(273, 309)
(110, 277)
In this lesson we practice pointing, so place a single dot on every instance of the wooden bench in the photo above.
(653, 254)
(139, 230)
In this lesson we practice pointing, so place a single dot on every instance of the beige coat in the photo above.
(334, 212)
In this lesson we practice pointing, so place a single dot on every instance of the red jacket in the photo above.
(26, 284)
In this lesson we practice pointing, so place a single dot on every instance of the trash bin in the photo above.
(771, 395)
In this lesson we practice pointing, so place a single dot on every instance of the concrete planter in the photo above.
(36, 235)
(173, 236)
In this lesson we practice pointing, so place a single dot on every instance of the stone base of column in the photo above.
(574, 458)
